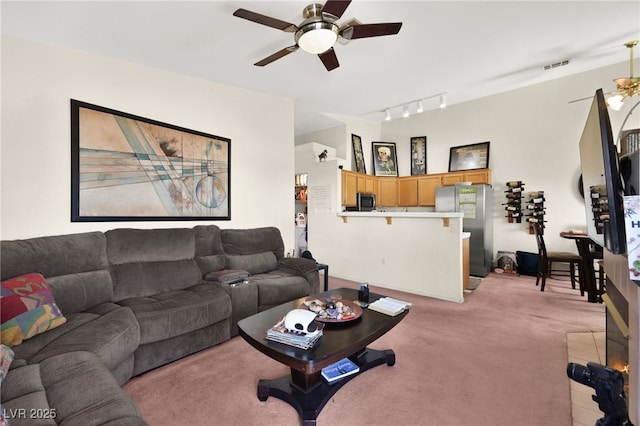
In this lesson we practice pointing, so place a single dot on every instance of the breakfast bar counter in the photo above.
(416, 252)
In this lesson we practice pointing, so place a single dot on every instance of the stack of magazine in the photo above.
(299, 339)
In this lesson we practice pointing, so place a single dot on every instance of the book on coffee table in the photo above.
(390, 306)
(339, 370)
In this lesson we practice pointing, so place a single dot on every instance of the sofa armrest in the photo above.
(303, 267)
(227, 276)
(298, 265)
(244, 300)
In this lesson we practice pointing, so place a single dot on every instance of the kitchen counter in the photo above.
(416, 252)
(389, 216)
(426, 215)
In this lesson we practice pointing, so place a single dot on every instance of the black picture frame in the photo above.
(419, 155)
(130, 168)
(469, 157)
(358, 155)
(385, 159)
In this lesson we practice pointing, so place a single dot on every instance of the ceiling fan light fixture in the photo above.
(615, 102)
(625, 86)
(317, 37)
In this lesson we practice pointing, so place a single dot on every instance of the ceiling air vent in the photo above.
(555, 65)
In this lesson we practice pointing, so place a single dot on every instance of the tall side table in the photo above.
(587, 272)
(325, 268)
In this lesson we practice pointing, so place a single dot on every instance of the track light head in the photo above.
(443, 100)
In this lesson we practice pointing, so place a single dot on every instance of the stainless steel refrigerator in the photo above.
(476, 202)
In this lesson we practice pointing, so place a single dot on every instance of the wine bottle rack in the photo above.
(536, 210)
(599, 206)
(513, 206)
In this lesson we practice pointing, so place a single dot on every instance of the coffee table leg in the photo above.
(308, 403)
(263, 389)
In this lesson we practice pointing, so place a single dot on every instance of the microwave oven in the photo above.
(364, 203)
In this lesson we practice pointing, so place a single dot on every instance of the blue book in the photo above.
(339, 370)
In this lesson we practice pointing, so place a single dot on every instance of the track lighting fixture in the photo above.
(406, 107)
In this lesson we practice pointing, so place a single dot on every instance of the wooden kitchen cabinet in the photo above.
(349, 187)
(387, 190)
(476, 177)
(427, 189)
(407, 191)
(451, 178)
(366, 184)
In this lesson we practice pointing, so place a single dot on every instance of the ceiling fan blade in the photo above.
(335, 8)
(279, 54)
(329, 59)
(371, 30)
(265, 20)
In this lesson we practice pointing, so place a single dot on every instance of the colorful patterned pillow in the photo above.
(6, 357)
(27, 308)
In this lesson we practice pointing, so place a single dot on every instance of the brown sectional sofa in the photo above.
(134, 300)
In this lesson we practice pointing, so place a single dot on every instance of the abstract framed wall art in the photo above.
(385, 160)
(469, 157)
(130, 168)
(419, 155)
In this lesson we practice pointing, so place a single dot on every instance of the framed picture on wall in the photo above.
(469, 157)
(419, 155)
(358, 156)
(385, 160)
(130, 168)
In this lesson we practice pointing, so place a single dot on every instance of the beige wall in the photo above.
(534, 134)
(37, 83)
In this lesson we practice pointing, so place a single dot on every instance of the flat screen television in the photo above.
(601, 181)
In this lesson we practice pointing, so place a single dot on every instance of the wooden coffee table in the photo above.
(304, 388)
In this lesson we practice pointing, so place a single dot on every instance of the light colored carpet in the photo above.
(499, 358)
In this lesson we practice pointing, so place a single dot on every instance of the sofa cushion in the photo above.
(209, 250)
(75, 266)
(145, 262)
(279, 287)
(108, 330)
(166, 315)
(258, 263)
(150, 278)
(73, 388)
(27, 308)
(251, 241)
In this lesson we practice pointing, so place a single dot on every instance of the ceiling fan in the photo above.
(318, 32)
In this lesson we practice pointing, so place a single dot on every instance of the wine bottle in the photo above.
(536, 194)
(515, 184)
(535, 220)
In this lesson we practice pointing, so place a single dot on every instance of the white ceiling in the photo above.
(468, 49)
